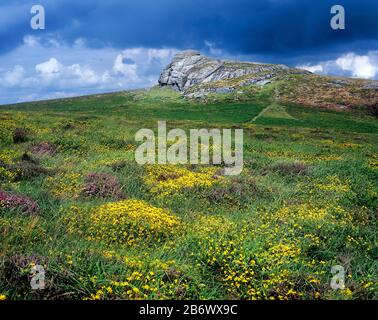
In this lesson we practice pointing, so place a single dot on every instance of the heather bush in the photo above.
(27, 170)
(20, 135)
(17, 202)
(44, 149)
(27, 158)
(102, 185)
(296, 168)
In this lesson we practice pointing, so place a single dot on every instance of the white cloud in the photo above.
(54, 43)
(129, 70)
(106, 76)
(148, 55)
(14, 77)
(162, 54)
(213, 50)
(53, 72)
(348, 65)
(43, 67)
(79, 43)
(50, 67)
(46, 42)
(31, 41)
(133, 67)
(314, 68)
(360, 66)
(139, 66)
(84, 75)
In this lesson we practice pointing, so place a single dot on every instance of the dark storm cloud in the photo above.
(278, 28)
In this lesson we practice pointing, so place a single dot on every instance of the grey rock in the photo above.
(186, 69)
(371, 85)
(190, 68)
(197, 95)
(223, 90)
(262, 82)
(339, 81)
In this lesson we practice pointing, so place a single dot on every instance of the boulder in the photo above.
(190, 68)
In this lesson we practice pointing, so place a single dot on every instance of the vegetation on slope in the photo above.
(306, 201)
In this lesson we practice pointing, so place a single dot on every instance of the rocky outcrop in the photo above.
(199, 77)
(190, 68)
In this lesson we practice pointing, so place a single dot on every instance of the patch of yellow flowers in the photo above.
(283, 251)
(129, 221)
(241, 274)
(143, 285)
(134, 287)
(373, 162)
(333, 183)
(166, 180)
(308, 212)
(6, 157)
(204, 225)
(300, 212)
(65, 185)
(304, 157)
(7, 175)
(236, 269)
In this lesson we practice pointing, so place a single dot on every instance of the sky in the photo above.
(96, 46)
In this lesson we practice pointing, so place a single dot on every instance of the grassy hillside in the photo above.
(74, 200)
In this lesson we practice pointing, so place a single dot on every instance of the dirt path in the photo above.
(262, 112)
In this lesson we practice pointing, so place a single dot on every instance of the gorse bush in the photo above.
(64, 185)
(168, 179)
(131, 221)
(146, 285)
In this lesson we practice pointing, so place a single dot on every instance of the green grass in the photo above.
(306, 201)
(350, 121)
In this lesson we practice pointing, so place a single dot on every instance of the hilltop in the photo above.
(191, 69)
(197, 76)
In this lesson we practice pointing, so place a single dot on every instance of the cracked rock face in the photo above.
(189, 68)
(186, 69)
